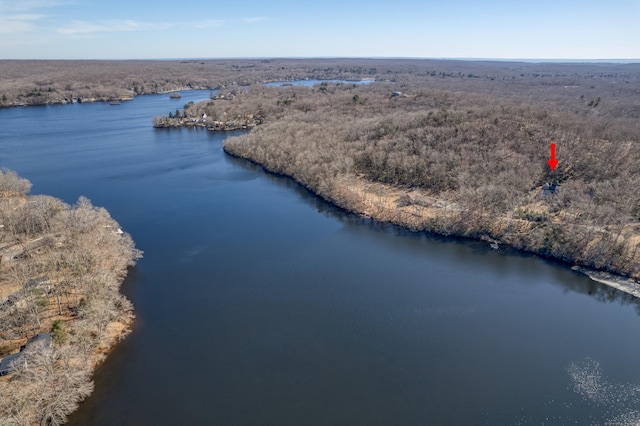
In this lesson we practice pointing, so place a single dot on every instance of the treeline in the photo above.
(60, 272)
(463, 163)
(55, 82)
(594, 88)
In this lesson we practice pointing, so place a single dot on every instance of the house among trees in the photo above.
(8, 362)
(549, 188)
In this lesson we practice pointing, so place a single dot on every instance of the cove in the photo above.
(258, 303)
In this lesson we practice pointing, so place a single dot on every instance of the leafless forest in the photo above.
(60, 272)
(56, 82)
(454, 147)
(468, 157)
(554, 85)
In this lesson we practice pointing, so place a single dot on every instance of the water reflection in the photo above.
(457, 247)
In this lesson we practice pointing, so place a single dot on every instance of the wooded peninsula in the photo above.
(464, 163)
(61, 310)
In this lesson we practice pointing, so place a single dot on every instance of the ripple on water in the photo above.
(621, 398)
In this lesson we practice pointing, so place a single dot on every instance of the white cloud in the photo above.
(19, 23)
(84, 27)
(24, 16)
(29, 5)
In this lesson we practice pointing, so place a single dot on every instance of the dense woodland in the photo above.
(60, 272)
(463, 151)
(554, 85)
(55, 82)
(468, 163)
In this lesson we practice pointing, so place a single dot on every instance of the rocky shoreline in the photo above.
(624, 284)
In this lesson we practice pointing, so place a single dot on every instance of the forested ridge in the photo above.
(465, 163)
(61, 267)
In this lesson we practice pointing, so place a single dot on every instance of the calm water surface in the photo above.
(259, 304)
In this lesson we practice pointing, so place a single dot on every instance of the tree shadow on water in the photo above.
(471, 253)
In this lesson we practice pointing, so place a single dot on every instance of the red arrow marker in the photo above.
(552, 161)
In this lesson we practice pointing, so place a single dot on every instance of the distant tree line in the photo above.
(611, 90)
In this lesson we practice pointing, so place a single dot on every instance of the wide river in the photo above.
(259, 304)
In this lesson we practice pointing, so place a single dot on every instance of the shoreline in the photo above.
(70, 285)
(107, 99)
(624, 284)
(132, 95)
(379, 210)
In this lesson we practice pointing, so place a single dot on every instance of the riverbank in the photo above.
(418, 211)
(307, 139)
(460, 164)
(62, 267)
(66, 99)
(624, 284)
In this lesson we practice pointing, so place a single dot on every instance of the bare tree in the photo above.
(11, 183)
(65, 262)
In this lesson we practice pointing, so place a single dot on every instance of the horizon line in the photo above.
(417, 58)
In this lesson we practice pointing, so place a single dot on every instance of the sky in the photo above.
(158, 29)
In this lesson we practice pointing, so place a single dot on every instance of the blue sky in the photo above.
(508, 29)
